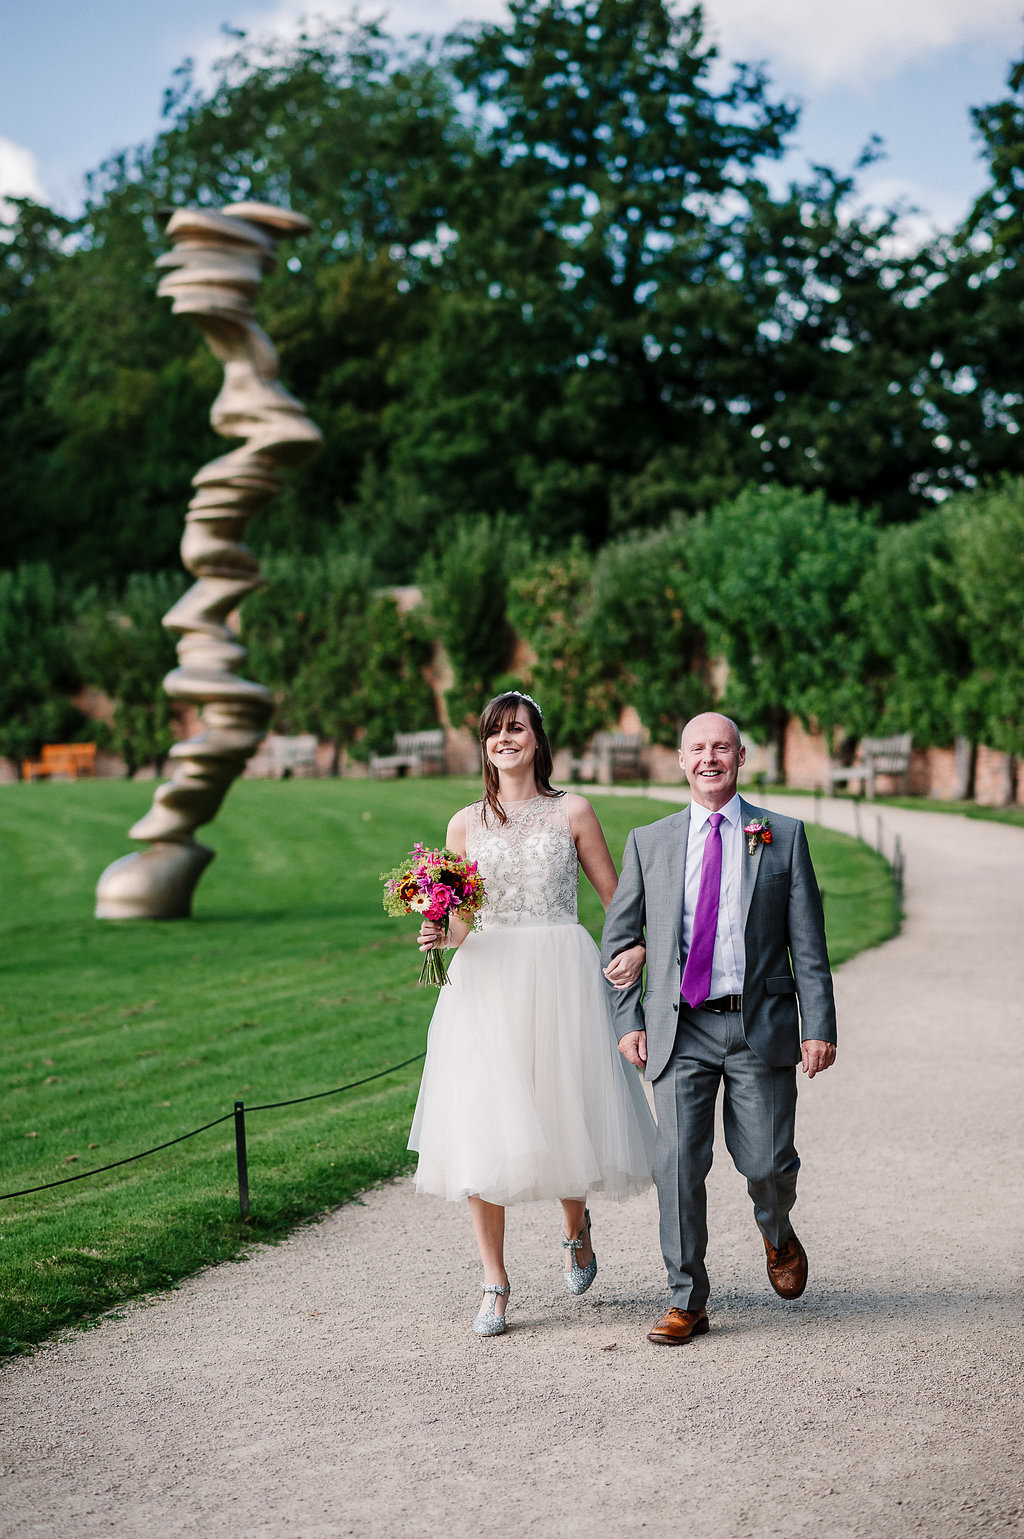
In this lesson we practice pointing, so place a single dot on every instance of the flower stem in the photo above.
(433, 972)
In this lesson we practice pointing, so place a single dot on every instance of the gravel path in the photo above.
(331, 1386)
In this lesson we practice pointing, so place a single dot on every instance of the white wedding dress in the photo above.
(524, 1092)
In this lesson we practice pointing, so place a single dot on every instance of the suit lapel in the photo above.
(751, 863)
(677, 867)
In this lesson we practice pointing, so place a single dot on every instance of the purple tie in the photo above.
(697, 972)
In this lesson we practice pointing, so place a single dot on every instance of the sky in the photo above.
(81, 79)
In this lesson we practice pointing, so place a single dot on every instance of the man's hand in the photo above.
(816, 1057)
(633, 1047)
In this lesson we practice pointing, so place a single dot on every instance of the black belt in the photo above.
(727, 1004)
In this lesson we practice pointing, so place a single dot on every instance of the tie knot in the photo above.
(715, 819)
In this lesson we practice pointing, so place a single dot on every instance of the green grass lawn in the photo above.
(289, 980)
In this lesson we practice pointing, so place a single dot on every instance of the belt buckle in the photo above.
(727, 1004)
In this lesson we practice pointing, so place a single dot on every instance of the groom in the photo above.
(738, 993)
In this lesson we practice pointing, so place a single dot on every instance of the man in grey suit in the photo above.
(738, 992)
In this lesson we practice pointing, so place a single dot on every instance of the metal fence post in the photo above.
(243, 1163)
(897, 864)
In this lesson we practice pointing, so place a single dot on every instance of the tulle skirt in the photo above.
(524, 1092)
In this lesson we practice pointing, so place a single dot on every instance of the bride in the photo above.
(524, 1094)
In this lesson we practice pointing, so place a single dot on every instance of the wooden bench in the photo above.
(618, 753)
(417, 752)
(878, 756)
(71, 759)
(281, 757)
(610, 755)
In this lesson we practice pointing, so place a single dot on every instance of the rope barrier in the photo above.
(82, 1174)
(238, 1115)
(319, 1094)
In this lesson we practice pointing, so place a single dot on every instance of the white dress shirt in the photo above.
(729, 963)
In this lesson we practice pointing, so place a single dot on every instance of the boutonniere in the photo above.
(758, 832)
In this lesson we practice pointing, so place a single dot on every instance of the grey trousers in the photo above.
(759, 1109)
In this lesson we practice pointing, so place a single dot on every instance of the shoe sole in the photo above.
(700, 1329)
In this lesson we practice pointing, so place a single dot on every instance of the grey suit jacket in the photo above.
(787, 988)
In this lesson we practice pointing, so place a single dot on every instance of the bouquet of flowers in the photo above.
(434, 884)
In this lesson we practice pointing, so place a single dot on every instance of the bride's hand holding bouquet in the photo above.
(438, 885)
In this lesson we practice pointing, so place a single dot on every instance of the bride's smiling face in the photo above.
(513, 743)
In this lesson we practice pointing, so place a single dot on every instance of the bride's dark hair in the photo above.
(492, 718)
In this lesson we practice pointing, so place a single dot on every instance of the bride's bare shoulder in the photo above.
(457, 829)
(581, 813)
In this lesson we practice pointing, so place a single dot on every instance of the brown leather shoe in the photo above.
(787, 1267)
(679, 1325)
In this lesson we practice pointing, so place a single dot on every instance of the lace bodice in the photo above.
(529, 864)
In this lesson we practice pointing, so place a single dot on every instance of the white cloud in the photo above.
(828, 44)
(927, 211)
(819, 42)
(19, 174)
(285, 20)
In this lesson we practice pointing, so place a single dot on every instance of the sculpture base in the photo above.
(157, 883)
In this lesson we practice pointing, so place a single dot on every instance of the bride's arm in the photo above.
(592, 848)
(599, 868)
(431, 936)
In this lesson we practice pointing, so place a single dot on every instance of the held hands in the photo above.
(815, 1056)
(625, 967)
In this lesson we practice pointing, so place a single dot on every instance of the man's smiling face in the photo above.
(710, 757)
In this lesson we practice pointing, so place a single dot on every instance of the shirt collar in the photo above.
(731, 812)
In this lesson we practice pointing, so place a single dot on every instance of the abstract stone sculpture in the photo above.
(215, 268)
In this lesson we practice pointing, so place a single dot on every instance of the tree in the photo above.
(467, 582)
(594, 224)
(37, 669)
(552, 608)
(987, 537)
(830, 387)
(343, 661)
(644, 621)
(914, 618)
(122, 648)
(631, 322)
(31, 249)
(112, 393)
(972, 384)
(777, 596)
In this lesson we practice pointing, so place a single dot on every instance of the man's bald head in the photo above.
(710, 756)
(711, 721)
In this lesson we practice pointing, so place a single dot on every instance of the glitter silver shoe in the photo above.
(487, 1323)
(579, 1278)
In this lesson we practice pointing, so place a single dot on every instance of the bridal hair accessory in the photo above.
(523, 696)
(758, 832)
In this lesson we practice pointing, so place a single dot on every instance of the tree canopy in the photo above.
(549, 275)
(565, 333)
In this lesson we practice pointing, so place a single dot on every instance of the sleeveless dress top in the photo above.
(524, 1093)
